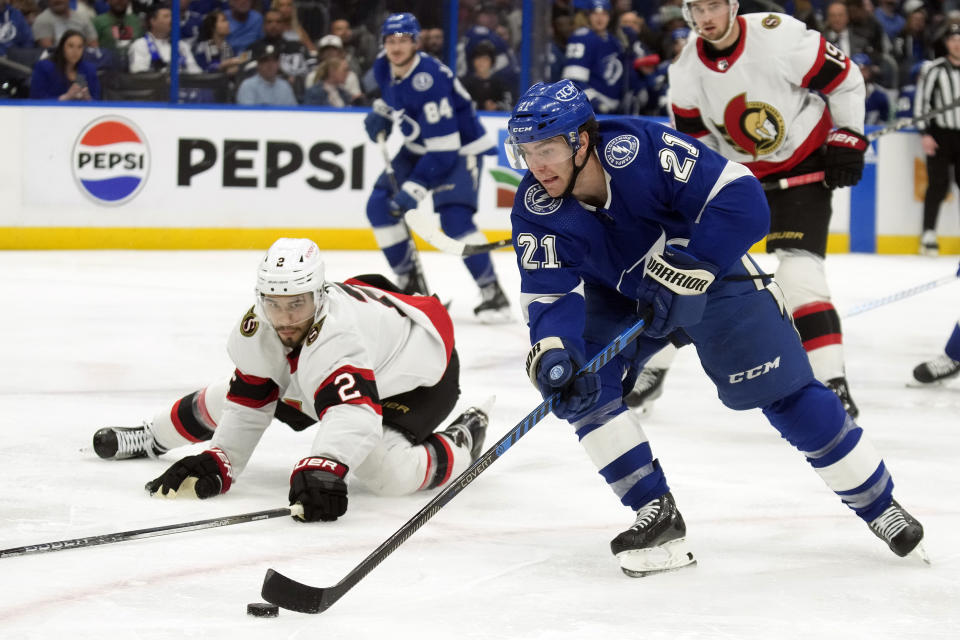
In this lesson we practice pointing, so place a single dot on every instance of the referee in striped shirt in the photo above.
(939, 86)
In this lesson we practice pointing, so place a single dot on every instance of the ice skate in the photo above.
(470, 428)
(928, 243)
(646, 390)
(656, 542)
(122, 443)
(839, 387)
(940, 368)
(900, 531)
(495, 308)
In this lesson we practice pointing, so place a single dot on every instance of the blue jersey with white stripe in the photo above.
(660, 185)
(437, 116)
(595, 64)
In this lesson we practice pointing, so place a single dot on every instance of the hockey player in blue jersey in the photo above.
(616, 217)
(595, 58)
(442, 153)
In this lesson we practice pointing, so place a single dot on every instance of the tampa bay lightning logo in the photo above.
(621, 151)
(422, 81)
(537, 201)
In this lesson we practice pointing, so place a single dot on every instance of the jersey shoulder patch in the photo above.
(537, 201)
(249, 323)
(581, 32)
(622, 150)
(771, 21)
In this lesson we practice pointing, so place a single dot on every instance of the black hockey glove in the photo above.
(553, 368)
(844, 161)
(201, 476)
(317, 484)
(675, 285)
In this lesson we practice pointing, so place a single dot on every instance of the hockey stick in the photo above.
(817, 176)
(900, 295)
(421, 222)
(388, 169)
(137, 534)
(296, 596)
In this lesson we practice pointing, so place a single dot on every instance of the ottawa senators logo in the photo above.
(314, 332)
(249, 324)
(752, 128)
(772, 21)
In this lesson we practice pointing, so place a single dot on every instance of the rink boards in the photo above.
(150, 177)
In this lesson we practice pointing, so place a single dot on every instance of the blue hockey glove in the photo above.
(380, 119)
(674, 284)
(408, 197)
(553, 368)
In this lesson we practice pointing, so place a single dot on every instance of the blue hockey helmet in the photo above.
(546, 111)
(591, 5)
(402, 23)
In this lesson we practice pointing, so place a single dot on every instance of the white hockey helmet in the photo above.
(734, 6)
(290, 267)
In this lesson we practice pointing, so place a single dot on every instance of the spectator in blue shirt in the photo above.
(889, 18)
(246, 25)
(267, 87)
(64, 75)
(14, 30)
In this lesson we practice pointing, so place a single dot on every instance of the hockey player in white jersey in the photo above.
(765, 91)
(374, 369)
(624, 215)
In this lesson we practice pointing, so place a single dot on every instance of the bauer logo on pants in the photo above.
(111, 160)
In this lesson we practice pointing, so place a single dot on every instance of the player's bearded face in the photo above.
(291, 316)
(400, 49)
(549, 161)
(711, 18)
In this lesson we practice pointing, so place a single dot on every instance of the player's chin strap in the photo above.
(576, 170)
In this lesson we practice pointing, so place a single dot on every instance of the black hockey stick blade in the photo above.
(280, 590)
(475, 249)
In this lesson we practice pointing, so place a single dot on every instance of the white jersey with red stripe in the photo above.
(369, 344)
(761, 105)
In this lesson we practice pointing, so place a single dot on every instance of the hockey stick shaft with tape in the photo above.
(817, 176)
(421, 222)
(285, 592)
(151, 532)
(900, 295)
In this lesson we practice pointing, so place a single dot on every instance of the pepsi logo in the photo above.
(111, 160)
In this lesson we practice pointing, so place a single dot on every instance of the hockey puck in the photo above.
(263, 610)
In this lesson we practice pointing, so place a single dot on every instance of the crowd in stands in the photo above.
(320, 52)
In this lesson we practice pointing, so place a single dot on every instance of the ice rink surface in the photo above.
(89, 339)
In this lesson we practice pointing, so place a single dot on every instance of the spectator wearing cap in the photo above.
(246, 25)
(293, 55)
(56, 19)
(487, 90)
(939, 87)
(328, 47)
(267, 86)
(876, 102)
(914, 44)
(14, 29)
(152, 51)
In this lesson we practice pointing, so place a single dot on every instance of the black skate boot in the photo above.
(470, 428)
(839, 387)
(899, 530)
(495, 308)
(656, 542)
(122, 443)
(648, 387)
(940, 368)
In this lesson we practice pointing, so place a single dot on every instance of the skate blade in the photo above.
(920, 552)
(669, 556)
